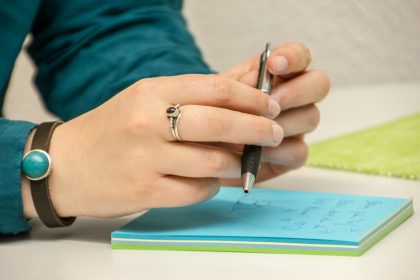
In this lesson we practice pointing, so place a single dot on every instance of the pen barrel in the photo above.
(250, 161)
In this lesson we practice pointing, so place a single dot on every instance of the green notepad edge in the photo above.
(407, 212)
(324, 154)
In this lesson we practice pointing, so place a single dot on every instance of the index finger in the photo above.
(217, 91)
(289, 59)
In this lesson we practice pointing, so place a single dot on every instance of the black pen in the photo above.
(251, 155)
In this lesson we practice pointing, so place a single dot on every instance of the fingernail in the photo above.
(280, 63)
(277, 134)
(273, 109)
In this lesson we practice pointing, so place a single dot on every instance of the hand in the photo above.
(121, 158)
(296, 90)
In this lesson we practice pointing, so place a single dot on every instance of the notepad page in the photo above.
(267, 215)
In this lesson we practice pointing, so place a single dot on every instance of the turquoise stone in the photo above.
(35, 164)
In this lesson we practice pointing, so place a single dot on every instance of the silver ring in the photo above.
(173, 114)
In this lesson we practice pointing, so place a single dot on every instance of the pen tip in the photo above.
(248, 180)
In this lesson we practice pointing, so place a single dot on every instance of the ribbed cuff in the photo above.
(13, 136)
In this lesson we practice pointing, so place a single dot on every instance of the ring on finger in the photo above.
(173, 114)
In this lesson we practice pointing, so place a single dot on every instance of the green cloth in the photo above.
(85, 51)
(391, 149)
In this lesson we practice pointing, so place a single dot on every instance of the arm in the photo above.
(123, 158)
(16, 20)
(91, 50)
(85, 52)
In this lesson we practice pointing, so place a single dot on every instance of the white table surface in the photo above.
(84, 252)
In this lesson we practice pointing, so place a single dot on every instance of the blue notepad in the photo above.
(269, 221)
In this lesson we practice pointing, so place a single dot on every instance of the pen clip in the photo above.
(264, 76)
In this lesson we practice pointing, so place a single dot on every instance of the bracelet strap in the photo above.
(39, 189)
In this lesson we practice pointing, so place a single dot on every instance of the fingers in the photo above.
(292, 153)
(299, 121)
(285, 61)
(174, 191)
(200, 161)
(289, 58)
(308, 88)
(214, 90)
(250, 78)
(210, 124)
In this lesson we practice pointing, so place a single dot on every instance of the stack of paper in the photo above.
(269, 221)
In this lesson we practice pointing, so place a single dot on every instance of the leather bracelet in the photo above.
(39, 186)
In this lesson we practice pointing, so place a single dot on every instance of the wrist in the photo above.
(58, 197)
(59, 185)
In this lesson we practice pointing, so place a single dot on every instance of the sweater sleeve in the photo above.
(13, 136)
(86, 51)
(16, 18)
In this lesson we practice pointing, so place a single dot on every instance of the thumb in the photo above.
(249, 78)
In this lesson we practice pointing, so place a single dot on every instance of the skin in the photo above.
(120, 158)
